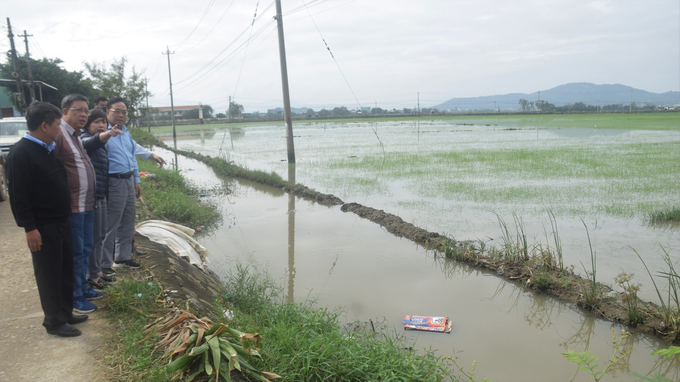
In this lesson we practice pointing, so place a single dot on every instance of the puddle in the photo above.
(340, 260)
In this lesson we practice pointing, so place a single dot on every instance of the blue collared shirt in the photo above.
(49, 147)
(121, 150)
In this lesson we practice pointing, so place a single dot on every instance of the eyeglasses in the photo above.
(119, 111)
(82, 111)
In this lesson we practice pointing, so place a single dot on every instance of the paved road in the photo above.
(27, 352)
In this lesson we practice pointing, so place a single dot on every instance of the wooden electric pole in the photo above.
(284, 81)
(19, 95)
(28, 65)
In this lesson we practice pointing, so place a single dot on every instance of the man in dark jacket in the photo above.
(41, 203)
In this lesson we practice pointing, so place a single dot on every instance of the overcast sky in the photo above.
(386, 51)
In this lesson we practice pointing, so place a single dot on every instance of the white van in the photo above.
(11, 131)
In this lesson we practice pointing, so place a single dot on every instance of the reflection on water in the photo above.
(341, 260)
(291, 236)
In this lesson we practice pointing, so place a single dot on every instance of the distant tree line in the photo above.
(545, 106)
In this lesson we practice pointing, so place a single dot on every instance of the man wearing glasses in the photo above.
(124, 187)
(81, 182)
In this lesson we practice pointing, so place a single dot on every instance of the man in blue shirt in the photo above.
(124, 187)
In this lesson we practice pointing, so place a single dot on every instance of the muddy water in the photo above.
(325, 152)
(340, 260)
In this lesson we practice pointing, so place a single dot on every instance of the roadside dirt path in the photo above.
(27, 352)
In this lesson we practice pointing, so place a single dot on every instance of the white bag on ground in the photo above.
(177, 238)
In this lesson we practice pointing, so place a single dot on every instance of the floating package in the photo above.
(429, 323)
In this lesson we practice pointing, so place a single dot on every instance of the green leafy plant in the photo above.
(668, 353)
(207, 349)
(587, 361)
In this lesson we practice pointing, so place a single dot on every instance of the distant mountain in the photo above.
(565, 94)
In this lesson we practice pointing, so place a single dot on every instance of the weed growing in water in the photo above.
(630, 297)
(543, 281)
(670, 307)
(587, 361)
(591, 294)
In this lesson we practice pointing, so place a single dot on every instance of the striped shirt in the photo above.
(79, 170)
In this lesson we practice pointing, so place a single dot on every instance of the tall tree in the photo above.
(112, 82)
(50, 71)
(235, 109)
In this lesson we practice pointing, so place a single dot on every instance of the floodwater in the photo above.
(340, 260)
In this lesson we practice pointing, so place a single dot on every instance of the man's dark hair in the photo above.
(96, 113)
(116, 100)
(69, 99)
(100, 99)
(39, 112)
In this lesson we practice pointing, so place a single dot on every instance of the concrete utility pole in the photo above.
(284, 81)
(630, 107)
(146, 88)
(418, 107)
(538, 103)
(28, 64)
(172, 103)
(19, 95)
(229, 111)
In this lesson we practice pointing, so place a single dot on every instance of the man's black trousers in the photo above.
(53, 268)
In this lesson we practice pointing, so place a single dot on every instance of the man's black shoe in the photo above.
(65, 330)
(108, 279)
(77, 319)
(108, 272)
(139, 252)
(126, 263)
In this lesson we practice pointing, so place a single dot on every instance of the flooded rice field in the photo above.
(455, 180)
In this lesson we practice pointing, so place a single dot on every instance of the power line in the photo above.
(213, 28)
(205, 13)
(332, 56)
(245, 51)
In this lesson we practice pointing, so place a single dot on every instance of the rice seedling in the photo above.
(670, 214)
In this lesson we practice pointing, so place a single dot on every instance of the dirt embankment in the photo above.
(567, 286)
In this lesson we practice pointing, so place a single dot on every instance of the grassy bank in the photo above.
(303, 342)
(168, 196)
(128, 305)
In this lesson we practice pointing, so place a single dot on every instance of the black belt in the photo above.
(122, 176)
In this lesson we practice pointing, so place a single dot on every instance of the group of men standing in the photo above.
(54, 197)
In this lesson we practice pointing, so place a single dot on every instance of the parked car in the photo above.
(11, 131)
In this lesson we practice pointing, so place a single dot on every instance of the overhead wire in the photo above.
(216, 56)
(205, 13)
(332, 56)
(245, 51)
(213, 28)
